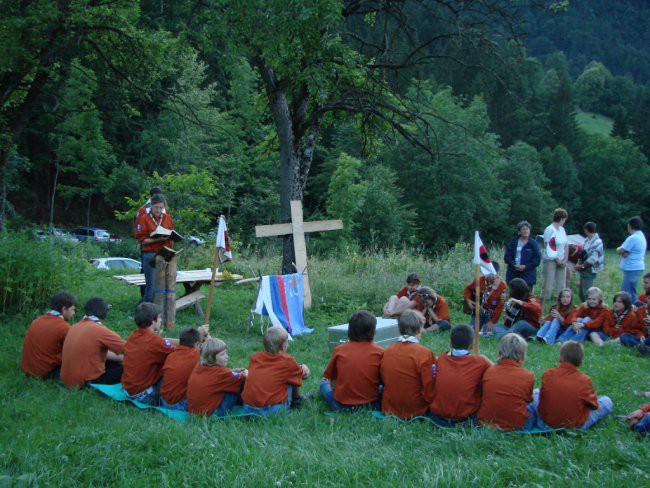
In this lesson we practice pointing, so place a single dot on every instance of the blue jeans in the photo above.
(443, 422)
(521, 327)
(571, 335)
(182, 405)
(328, 395)
(629, 340)
(150, 396)
(630, 279)
(604, 337)
(605, 407)
(224, 408)
(643, 425)
(269, 410)
(149, 275)
(548, 332)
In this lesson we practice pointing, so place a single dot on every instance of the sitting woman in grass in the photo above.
(522, 311)
(560, 316)
(621, 319)
(588, 318)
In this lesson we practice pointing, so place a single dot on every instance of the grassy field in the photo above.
(55, 437)
(593, 123)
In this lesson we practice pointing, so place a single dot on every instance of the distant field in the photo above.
(594, 123)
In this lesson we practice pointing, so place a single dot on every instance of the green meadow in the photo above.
(51, 436)
(593, 123)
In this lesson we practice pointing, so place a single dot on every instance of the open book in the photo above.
(167, 253)
(163, 232)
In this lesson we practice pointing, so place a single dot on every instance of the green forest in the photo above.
(415, 122)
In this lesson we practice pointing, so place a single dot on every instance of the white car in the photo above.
(116, 263)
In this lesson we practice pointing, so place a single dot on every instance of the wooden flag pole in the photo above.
(215, 263)
(477, 305)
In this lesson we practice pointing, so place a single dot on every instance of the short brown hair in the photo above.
(210, 349)
(274, 337)
(559, 214)
(362, 326)
(410, 322)
(572, 352)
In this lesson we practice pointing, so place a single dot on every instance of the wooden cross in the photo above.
(298, 228)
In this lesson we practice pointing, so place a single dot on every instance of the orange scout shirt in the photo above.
(646, 408)
(355, 368)
(84, 352)
(531, 311)
(176, 371)
(642, 297)
(269, 375)
(407, 373)
(614, 326)
(441, 308)
(507, 389)
(492, 302)
(207, 385)
(566, 397)
(144, 355)
(43, 344)
(597, 315)
(458, 385)
(641, 314)
(568, 313)
(145, 224)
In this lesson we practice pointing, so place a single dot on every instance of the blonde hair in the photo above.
(513, 346)
(210, 349)
(410, 322)
(594, 290)
(274, 337)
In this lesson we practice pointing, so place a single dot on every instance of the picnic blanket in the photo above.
(117, 393)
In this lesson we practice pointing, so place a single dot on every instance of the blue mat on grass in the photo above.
(378, 415)
(117, 393)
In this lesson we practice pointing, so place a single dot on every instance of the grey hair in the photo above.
(513, 346)
(523, 223)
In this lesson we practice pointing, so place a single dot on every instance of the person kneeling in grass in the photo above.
(351, 379)
(407, 371)
(459, 374)
(507, 401)
(177, 370)
(274, 377)
(567, 398)
(212, 388)
(621, 319)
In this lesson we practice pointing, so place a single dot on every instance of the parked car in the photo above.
(116, 263)
(91, 234)
(54, 233)
(194, 241)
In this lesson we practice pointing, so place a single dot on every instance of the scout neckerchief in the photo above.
(55, 313)
(408, 338)
(92, 317)
(459, 352)
(154, 219)
(618, 318)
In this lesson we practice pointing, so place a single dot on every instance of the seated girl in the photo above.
(435, 309)
(588, 318)
(621, 319)
(560, 316)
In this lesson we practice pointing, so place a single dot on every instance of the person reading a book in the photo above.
(147, 232)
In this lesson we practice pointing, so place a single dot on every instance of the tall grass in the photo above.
(52, 436)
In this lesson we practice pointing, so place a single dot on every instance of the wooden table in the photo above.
(192, 281)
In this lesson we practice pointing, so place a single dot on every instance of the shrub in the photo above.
(31, 272)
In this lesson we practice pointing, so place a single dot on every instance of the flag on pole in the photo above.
(223, 241)
(481, 256)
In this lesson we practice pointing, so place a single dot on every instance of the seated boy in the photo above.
(405, 299)
(144, 355)
(435, 309)
(351, 379)
(213, 389)
(641, 343)
(639, 419)
(507, 401)
(91, 351)
(274, 377)
(45, 336)
(492, 294)
(407, 371)
(642, 298)
(177, 369)
(567, 398)
(457, 395)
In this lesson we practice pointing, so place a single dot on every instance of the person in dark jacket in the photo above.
(522, 256)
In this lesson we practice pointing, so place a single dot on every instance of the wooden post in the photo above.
(477, 306)
(297, 228)
(170, 294)
(160, 284)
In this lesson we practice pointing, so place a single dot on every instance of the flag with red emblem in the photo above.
(481, 256)
(223, 241)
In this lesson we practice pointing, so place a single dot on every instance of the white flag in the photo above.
(481, 256)
(223, 241)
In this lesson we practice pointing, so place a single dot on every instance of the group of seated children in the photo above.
(189, 373)
(458, 387)
(625, 323)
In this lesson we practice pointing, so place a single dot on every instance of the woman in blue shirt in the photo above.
(632, 253)
(522, 256)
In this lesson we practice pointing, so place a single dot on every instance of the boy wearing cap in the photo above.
(405, 299)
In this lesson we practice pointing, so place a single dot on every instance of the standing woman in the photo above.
(522, 256)
(632, 253)
(592, 259)
(556, 253)
(145, 224)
